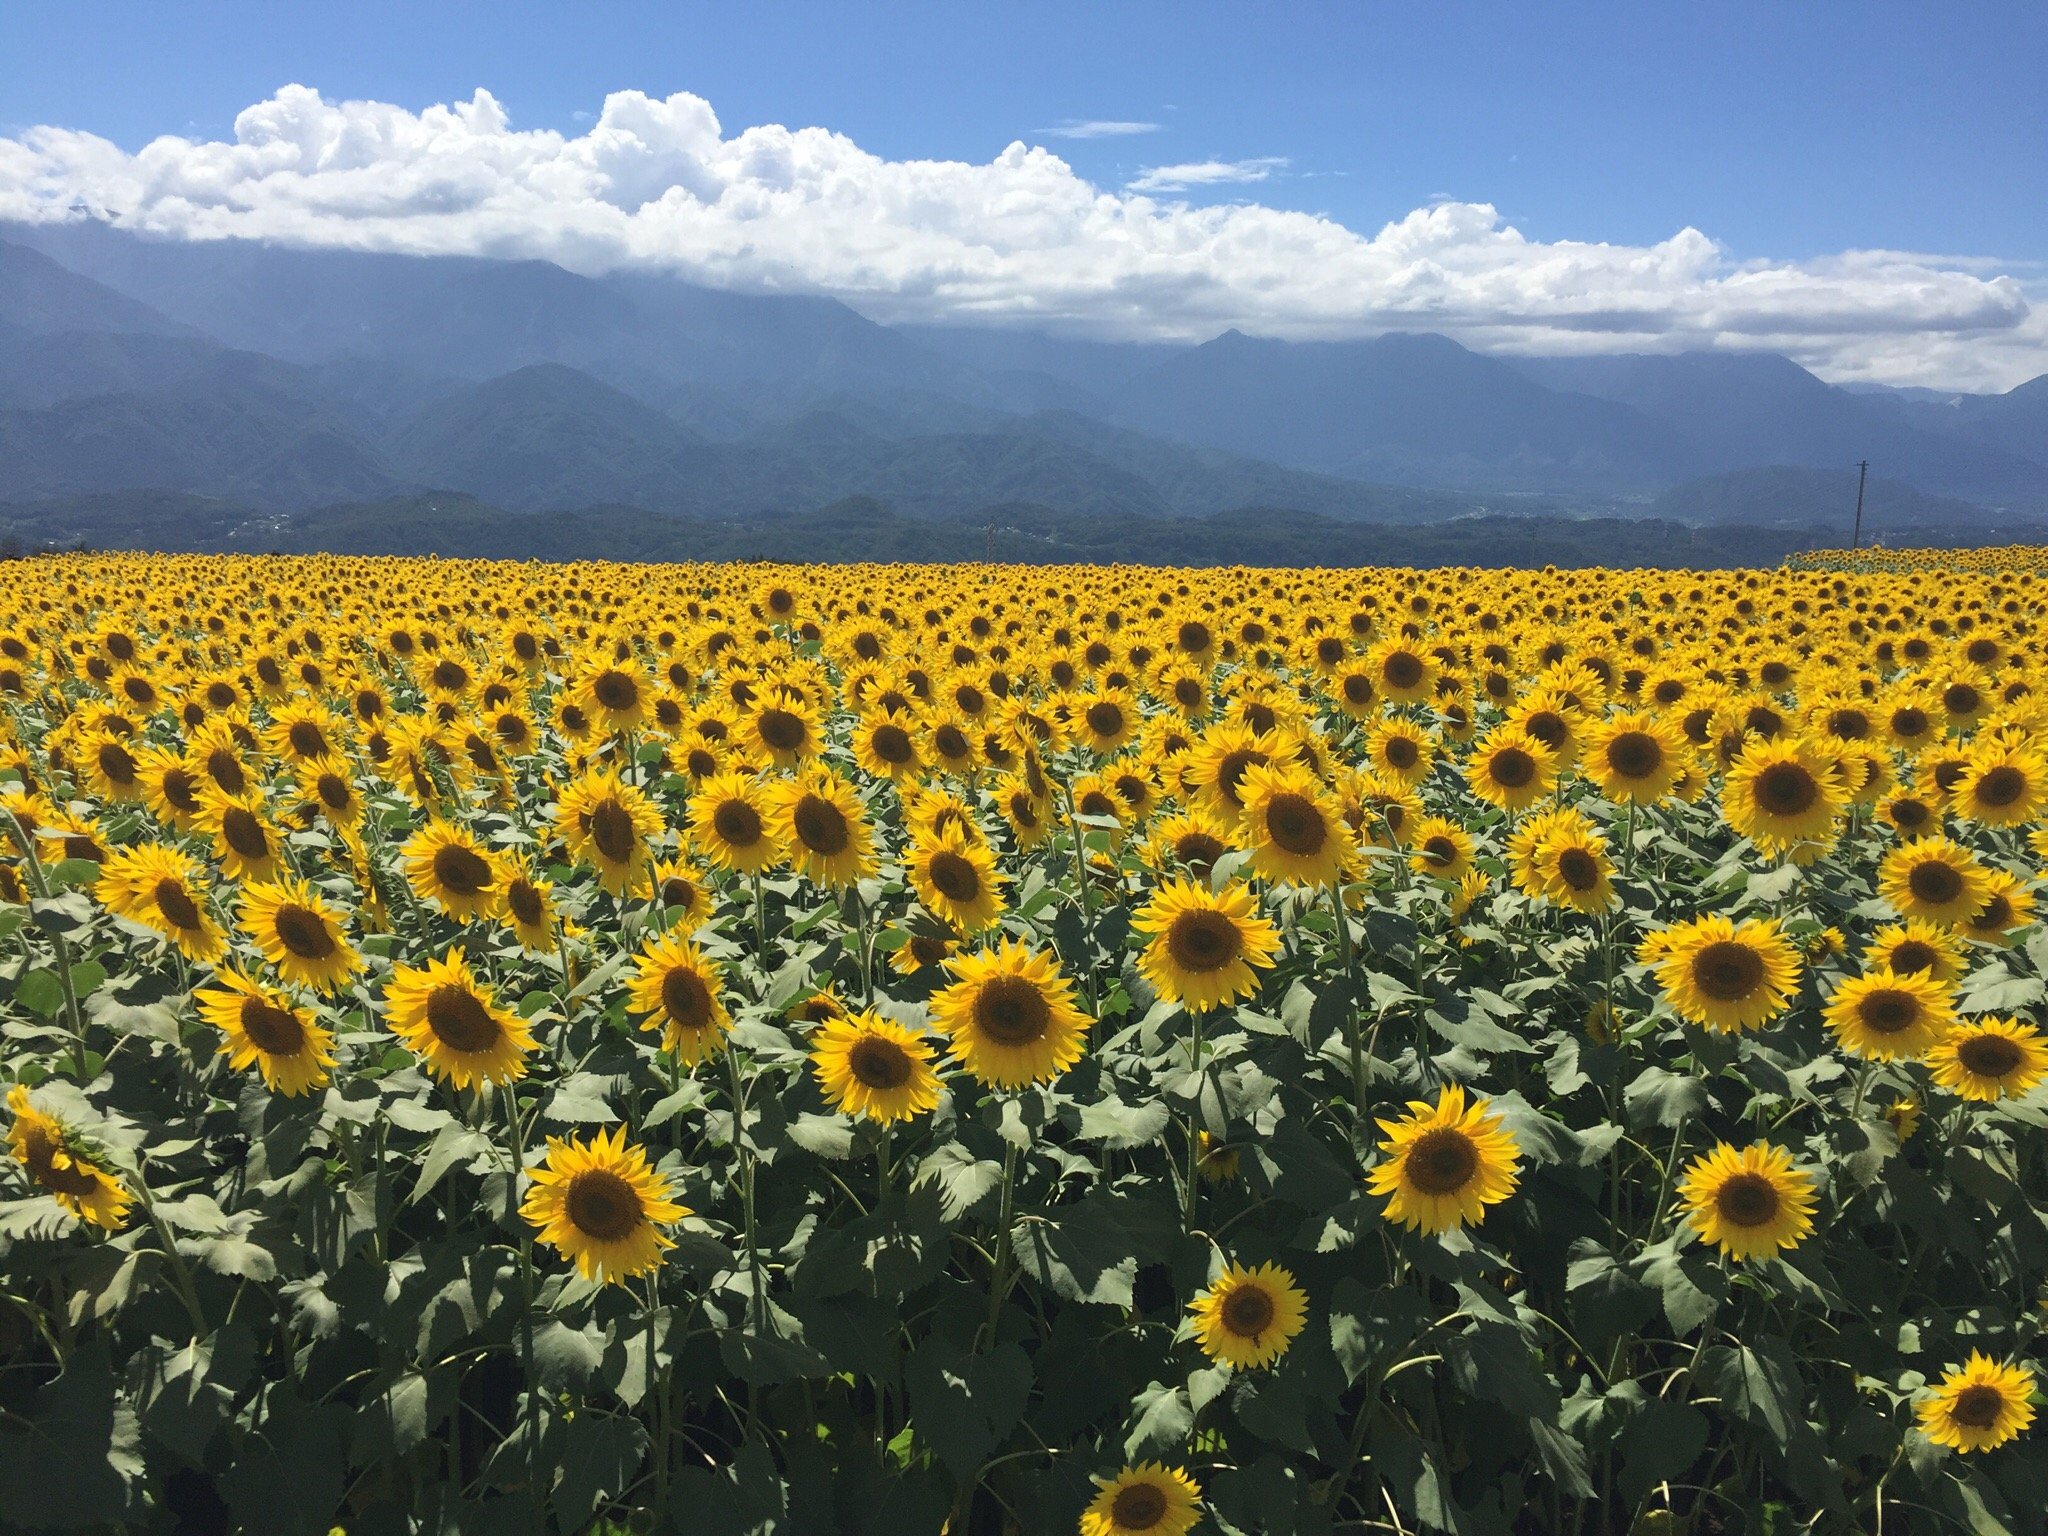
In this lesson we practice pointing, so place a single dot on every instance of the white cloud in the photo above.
(1097, 128)
(1021, 239)
(1205, 173)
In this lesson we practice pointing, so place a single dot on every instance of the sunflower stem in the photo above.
(1352, 1039)
(517, 1146)
(58, 947)
(1087, 912)
(999, 1271)
(181, 1273)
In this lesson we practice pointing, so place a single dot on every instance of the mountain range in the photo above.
(284, 380)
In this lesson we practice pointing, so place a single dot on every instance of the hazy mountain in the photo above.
(1797, 496)
(40, 295)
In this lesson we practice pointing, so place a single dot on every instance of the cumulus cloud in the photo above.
(1205, 173)
(1097, 128)
(658, 184)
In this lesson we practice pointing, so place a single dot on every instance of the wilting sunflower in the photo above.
(263, 1030)
(1989, 1059)
(1935, 879)
(454, 1024)
(1917, 947)
(1511, 769)
(1146, 1500)
(1748, 1203)
(729, 818)
(529, 909)
(1883, 1016)
(822, 827)
(445, 864)
(1633, 756)
(248, 846)
(601, 1206)
(956, 879)
(57, 1158)
(1248, 1317)
(1782, 796)
(1978, 1405)
(1724, 975)
(164, 891)
(874, 1069)
(1445, 1163)
(1009, 1016)
(607, 824)
(1205, 943)
(677, 987)
(1295, 827)
(299, 933)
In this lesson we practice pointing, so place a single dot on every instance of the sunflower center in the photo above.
(460, 871)
(1248, 1312)
(303, 931)
(615, 691)
(2001, 786)
(1747, 1200)
(244, 833)
(1199, 850)
(891, 743)
(1401, 753)
(180, 788)
(1512, 768)
(678, 892)
(1105, 719)
(1442, 1161)
(782, 730)
(1995, 916)
(1139, 1507)
(1011, 1011)
(1960, 699)
(1578, 869)
(176, 904)
(272, 1030)
(1909, 721)
(1913, 956)
(306, 739)
(1888, 1012)
(878, 1063)
(1935, 882)
(1203, 940)
(951, 742)
(955, 878)
(1728, 971)
(1358, 689)
(602, 1205)
(1295, 824)
(1635, 754)
(1440, 851)
(1977, 1407)
(611, 829)
(820, 825)
(333, 791)
(1548, 727)
(460, 1021)
(1230, 771)
(1785, 789)
(117, 762)
(225, 769)
(525, 902)
(40, 1154)
(1989, 1055)
(686, 998)
(737, 823)
(1402, 670)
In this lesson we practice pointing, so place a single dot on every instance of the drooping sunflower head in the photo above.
(1193, 840)
(452, 1021)
(529, 908)
(1917, 947)
(1979, 1405)
(261, 1028)
(2008, 906)
(1444, 1163)
(1146, 1500)
(1247, 1317)
(1205, 945)
(601, 1205)
(678, 988)
(1009, 1016)
(1749, 1203)
(62, 1163)
(299, 933)
(874, 1069)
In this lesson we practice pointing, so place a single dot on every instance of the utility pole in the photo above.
(989, 543)
(1862, 474)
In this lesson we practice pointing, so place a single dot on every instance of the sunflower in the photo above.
(1934, 879)
(820, 822)
(112, 767)
(1105, 723)
(170, 787)
(1726, 976)
(681, 887)
(1749, 1203)
(1989, 1059)
(729, 818)
(1444, 1164)
(1146, 1500)
(330, 785)
(1216, 766)
(2007, 908)
(165, 891)
(57, 1159)
(1883, 1016)
(529, 909)
(1193, 840)
(1216, 1161)
(874, 1069)
(601, 1206)
(608, 824)
(1009, 1016)
(445, 864)
(1978, 1405)
(2002, 786)
(1781, 795)
(1510, 769)
(1400, 751)
(1575, 868)
(1403, 673)
(248, 846)
(784, 730)
(614, 695)
(956, 879)
(263, 1030)
(1295, 827)
(885, 747)
(299, 933)
(1204, 943)
(1248, 1317)
(1633, 756)
(454, 1024)
(677, 987)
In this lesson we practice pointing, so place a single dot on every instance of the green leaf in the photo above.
(41, 993)
(1692, 1288)
(1083, 1253)
(963, 1406)
(1658, 1444)
(565, 1356)
(454, 1143)
(825, 1135)
(962, 1179)
(398, 1418)
(1658, 1097)
(580, 1100)
(1121, 1127)
(1161, 1417)
(74, 1459)
(598, 1459)
(1758, 1384)
(1368, 1327)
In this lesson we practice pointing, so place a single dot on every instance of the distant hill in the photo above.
(1793, 496)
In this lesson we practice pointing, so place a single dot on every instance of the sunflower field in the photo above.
(730, 1049)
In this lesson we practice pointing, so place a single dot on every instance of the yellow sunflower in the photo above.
(676, 986)
(1724, 975)
(1248, 1317)
(821, 825)
(2007, 907)
(1295, 827)
(1883, 1016)
(1748, 1203)
(681, 887)
(1146, 1500)
(1009, 1016)
(1510, 768)
(729, 819)
(299, 933)
(1782, 796)
(956, 879)
(2002, 786)
(248, 846)
(453, 1023)
(1205, 944)
(445, 864)
(874, 1069)
(1935, 879)
(1633, 756)
(1989, 1059)
(885, 746)
(59, 1161)
(1443, 1164)
(262, 1029)
(1917, 947)
(1440, 848)
(1978, 1405)
(164, 891)
(608, 825)
(529, 909)
(600, 1205)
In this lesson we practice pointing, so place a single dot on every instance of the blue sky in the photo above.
(1786, 133)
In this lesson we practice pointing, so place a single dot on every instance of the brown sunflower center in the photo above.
(1231, 770)
(1977, 1407)
(180, 788)
(1989, 1055)
(615, 691)
(782, 729)
(1548, 727)
(244, 833)
(1728, 971)
(1402, 670)
(1011, 1011)
(1199, 850)
(686, 998)
(951, 743)
(1442, 1161)
(333, 791)
(1248, 1311)
(306, 739)
(1747, 1200)
(611, 829)
(1888, 1011)
(1139, 1507)
(460, 871)
(1203, 940)
(460, 1021)
(303, 931)
(1961, 699)
(955, 877)
(1512, 768)
(602, 1205)
(1936, 882)
(1578, 869)
(1401, 753)
(40, 1153)
(1295, 824)
(272, 1030)
(1909, 721)
(878, 1063)
(820, 825)
(737, 823)
(1911, 956)
(117, 763)
(678, 892)
(524, 900)
(1785, 789)
(1105, 718)
(2001, 786)
(891, 743)
(1995, 916)
(176, 904)
(1440, 851)
(1635, 754)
